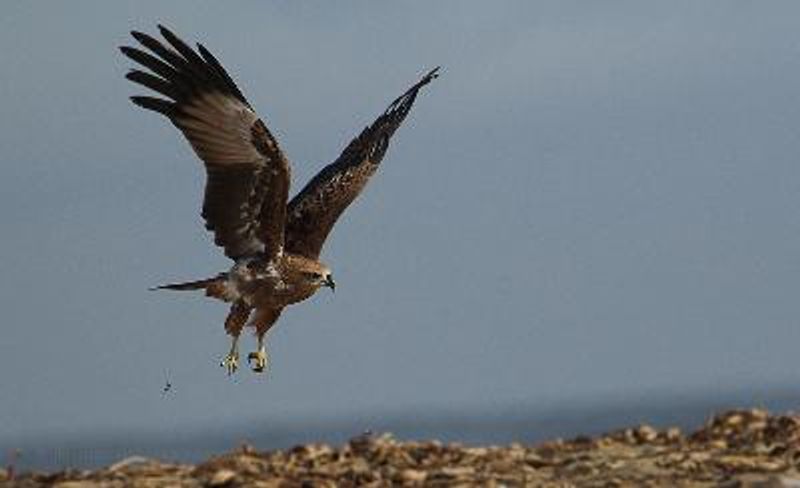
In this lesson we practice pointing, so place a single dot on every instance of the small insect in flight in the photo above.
(167, 385)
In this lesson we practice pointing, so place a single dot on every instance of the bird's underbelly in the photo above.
(271, 291)
(265, 285)
(279, 295)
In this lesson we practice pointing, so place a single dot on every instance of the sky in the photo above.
(593, 201)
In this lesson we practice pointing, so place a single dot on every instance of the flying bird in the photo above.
(274, 242)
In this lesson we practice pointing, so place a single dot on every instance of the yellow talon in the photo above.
(258, 360)
(230, 363)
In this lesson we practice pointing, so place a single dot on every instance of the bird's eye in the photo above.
(314, 276)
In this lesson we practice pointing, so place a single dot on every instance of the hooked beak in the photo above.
(330, 283)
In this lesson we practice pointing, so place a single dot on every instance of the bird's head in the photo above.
(318, 275)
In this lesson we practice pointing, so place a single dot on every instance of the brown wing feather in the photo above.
(248, 175)
(313, 212)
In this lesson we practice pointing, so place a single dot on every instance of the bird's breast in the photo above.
(264, 283)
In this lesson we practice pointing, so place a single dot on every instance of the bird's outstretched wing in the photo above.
(313, 212)
(248, 175)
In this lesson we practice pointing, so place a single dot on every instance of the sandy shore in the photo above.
(737, 448)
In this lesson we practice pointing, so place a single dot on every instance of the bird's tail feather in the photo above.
(188, 285)
(216, 287)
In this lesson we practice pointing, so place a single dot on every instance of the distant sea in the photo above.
(525, 424)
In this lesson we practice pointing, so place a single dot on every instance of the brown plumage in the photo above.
(275, 245)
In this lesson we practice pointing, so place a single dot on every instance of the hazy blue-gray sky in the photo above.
(595, 199)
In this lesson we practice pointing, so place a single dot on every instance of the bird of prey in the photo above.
(274, 242)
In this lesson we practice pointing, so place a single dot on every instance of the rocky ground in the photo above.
(743, 448)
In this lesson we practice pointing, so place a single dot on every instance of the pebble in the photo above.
(413, 475)
(222, 477)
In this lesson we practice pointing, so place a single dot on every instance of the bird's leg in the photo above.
(236, 319)
(231, 361)
(258, 359)
(262, 321)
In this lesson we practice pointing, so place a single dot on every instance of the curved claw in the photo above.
(258, 360)
(230, 363)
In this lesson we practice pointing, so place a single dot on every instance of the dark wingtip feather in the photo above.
(126, 50)
(169, 35)
(139, 35)
(177, 43)
(154, 104)
(432, 74)
(203, 51)
(187, 52)
(154, 83)
(164, 30)
(402, 104)
(220, 71)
